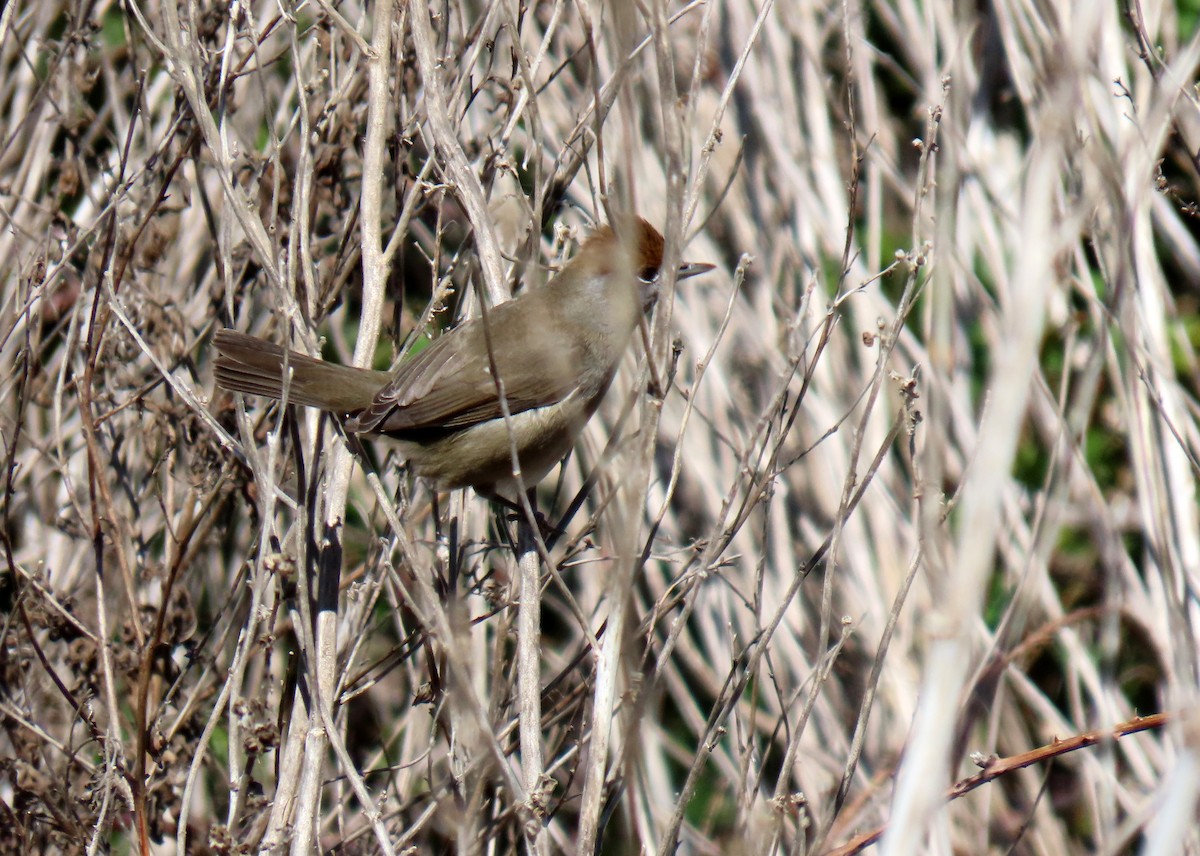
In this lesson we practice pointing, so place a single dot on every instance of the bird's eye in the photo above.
(648, 274)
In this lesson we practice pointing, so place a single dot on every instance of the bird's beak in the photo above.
(685, 270)
(688, 269)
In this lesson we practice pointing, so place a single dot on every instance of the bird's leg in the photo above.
(517, 511)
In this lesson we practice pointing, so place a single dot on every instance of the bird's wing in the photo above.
(449, 385)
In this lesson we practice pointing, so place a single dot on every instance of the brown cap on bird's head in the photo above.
(645, 259)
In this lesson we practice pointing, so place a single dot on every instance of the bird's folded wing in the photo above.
(450, 384)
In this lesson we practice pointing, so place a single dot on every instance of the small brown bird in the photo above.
(555, 350)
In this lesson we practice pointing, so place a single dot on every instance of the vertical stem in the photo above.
(529, 637)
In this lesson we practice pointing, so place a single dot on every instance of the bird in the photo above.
(553, 350)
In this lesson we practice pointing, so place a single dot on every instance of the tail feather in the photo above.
(251, 365)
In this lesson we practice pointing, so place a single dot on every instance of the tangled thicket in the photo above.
(908, 483)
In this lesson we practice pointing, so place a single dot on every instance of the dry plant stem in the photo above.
(309, 730)
(112, 740)
(454, 160)
(735, 76)
(739, 278)
(6, 19)
(886, 347)
(382, 837)
(176, 51)
(743, 494)
(746, 665)
(301, 758)
(527, 103)
(602, 712)
(262, 602)
(194, 514)
(264, 468)
(623, 515)
(1167, 488)
(675, 169)
(470, 192)
(102, 509)
(529, 619)
(529, 684)
(400, 232)
(1066, 435)
(347, 29)
(291, 754)
(864, 709)
(1177, 817)
(690, 586)
(1184, 123)
(168, 376)
(575, 151)
(924, 771)
(323, 689)
(849, 482)
(994, 768)
(461, 78)
(424, 603)
(299, 268)
(527, 98)
(751, 489)
(48, 739)
(530, 546)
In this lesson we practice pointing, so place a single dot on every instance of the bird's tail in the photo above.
(252, 365)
